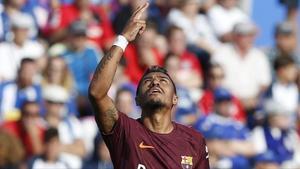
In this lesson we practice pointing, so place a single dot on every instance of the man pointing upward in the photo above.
(153, 141)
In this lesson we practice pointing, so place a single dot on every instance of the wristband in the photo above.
(121, 42)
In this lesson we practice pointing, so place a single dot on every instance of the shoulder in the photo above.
(189, 132)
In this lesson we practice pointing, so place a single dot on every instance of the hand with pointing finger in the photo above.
(135, 25)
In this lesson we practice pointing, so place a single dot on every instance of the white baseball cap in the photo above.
(55, 93)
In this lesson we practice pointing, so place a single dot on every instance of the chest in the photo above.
(160, 151)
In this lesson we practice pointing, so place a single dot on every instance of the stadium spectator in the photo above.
(247, 70)
(14, 93)
(277, 136)
(190, 67)
(12, 9)
(215, 81)
(284, 89)
(50, 158)
(142, 54)
(186, 110)
(68, 126)
(223, 16)
(29, 128)
(12, 151)
(228, 141)
(101, 157)
(82, 60)
(285, 43)
(12, 52)
(125, 102)
(57, 73)
(98, 30)
(194, 25)
(266, 160)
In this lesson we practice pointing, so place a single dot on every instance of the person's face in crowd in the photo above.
(156, 91)
(280, 121)
(103, 152)
(52, 149)
(216, 78)
(172, 65)
(177, 42)
(30, 113)
(17, 3)
(223, 108)
(55, 109)
(54, 4)
(146, 40)
(288, 73)
(125, 102)
(26, 73)
(266, 166)
(82, 3)
(20, 35)
(228, 4)
(191, 7)
(56, 70)
(78, 42)
(244, 41)
(286, 43)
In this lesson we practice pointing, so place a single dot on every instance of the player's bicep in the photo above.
(106, 114)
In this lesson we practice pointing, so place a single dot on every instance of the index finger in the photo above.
(140, 10)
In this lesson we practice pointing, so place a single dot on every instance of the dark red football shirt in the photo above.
(133, 146)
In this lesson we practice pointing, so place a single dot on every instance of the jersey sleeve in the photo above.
(203, 162)
(116, 139)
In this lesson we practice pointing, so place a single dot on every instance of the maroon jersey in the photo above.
(133, 146)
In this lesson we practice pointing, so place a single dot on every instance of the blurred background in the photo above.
(235, 63)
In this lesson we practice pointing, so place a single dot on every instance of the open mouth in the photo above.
(155, 90)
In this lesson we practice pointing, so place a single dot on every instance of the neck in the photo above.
(158, 121)
(19, 42)
(282, 81)
(242, 50)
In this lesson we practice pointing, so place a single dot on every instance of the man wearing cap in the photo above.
(70, 132)
(247, 70)
(278, 136)
(285, 43)
(227, 139)
(82, 60)
(153, 141)
(13, 51)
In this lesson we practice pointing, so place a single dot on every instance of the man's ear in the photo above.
(175, 99)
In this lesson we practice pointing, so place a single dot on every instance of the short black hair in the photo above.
(171, 29)
(283, 61)
(152, 69)
(50, 133)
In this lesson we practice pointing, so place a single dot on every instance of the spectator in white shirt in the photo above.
(70, 132)
(11, 53)
(284, 89)
(50, 158)
(195, 26)
(224, 16)
(247, 70)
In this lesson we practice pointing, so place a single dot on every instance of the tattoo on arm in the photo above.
(106, 58)
(107, 119)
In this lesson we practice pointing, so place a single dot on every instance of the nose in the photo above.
(155, 82)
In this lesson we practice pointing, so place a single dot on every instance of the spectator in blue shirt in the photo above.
(82, 61)
(227, 140)
(14, 93)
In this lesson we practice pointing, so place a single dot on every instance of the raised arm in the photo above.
(106, 113)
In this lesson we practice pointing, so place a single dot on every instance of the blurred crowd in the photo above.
(243, 98)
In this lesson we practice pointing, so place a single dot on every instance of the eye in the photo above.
(164, 80)
(147, 81)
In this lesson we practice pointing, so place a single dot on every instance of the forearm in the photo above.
(104, 73)
(77, 148)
